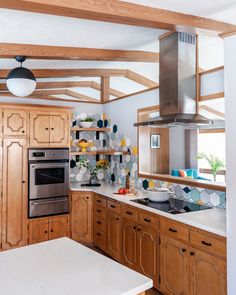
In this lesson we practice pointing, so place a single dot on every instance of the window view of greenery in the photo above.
(211, 156)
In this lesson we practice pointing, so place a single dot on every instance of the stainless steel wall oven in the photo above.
(48, 182)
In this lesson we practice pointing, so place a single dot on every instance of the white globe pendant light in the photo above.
(20, 81)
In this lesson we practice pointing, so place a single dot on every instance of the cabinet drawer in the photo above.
(174, 230)
(100, 223)
(149, 220)
(100, 201)
(130, 213)
(208, 243)
(100, 211)
(100, 239)
(114, 206)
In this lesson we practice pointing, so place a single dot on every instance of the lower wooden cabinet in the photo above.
(174, 267)
(114, 235)
(188, 271)
(207, 274)
(47, 229)
(81, 216)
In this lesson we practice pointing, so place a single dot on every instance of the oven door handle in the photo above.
(49, 166)
(48, 202)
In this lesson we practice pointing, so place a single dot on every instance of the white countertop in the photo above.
(213, 220)
(65, 267)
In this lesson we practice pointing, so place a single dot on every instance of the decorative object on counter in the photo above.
(214, 162)
(20, 81)
(86, 123)
(155, 141)
(84, 144)
(158, 194)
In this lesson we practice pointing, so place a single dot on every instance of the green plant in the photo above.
(214, 162)
(87, 120)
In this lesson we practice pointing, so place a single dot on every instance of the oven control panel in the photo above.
(48, 154)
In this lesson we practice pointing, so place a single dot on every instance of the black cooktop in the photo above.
(173, 206)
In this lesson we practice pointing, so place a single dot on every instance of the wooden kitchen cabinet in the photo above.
(207, 274)
(59, 129)
(81, 216)
(14, 202)
(49, 129)
(174, 267)
(38, 231)
(44, 229)
(148, 246)
(39, 129)
(114, 235)
(130, 245)
(14, 122)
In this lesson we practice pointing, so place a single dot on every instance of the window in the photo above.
(211, 142)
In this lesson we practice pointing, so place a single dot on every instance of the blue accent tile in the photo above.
(145, 184)
(72, 163)
(105, 123)
(115, 128)
(100, 123)
(113, 178)
(187, 190)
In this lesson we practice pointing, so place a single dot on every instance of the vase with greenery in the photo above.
(215, 163)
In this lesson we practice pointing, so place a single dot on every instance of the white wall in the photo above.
(230, 95)
(124, 112)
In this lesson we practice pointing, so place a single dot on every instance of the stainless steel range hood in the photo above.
(178, 104)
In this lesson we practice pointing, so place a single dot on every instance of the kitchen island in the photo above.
(65, 267)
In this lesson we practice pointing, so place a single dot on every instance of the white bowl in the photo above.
(158, 194)
(85, 124)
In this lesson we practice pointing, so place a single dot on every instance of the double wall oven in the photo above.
(48, 182)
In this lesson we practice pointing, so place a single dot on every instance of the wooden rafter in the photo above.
(10, 50)
(79, 95)
(140, 79)
(119, 12)
(211, 96)
(55, 73)
(113, 92)
(213, 111)
(105, 89)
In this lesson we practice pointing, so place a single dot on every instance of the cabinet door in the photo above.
(39, 129)
(207, 274)
(114, 235)
(14, 216)
(148, 245)
(59, 129)
(174, 267)
(14, 122)
(58, 227)
(38, 231)
(81, 217)
(129, 244)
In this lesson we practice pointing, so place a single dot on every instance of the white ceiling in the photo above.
(223, 10)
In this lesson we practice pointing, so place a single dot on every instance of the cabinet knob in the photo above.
(184, 250)
(113, 206)
(23, 181)
(134, 227)
(87, 198)
(139, 229)
(46, 231)
(23, 131)
(46, 128)
(52, 128)
(192, 253)
(51, 230)
(117, 219)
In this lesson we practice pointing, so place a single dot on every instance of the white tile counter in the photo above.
(212, 220)
(65, 267)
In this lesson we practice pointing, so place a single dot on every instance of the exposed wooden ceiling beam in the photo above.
(113, 92)
(211, 96)
(80, 96)
(10, 50)
(105, 89)
(55, 73)
(140, 79)
(119, 12)
(213, 111)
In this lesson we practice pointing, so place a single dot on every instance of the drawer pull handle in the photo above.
(206, 243)
(99, 222)
(113, 206)
(147, 220)
(172, 230)
(99, 201)
(192, 253)
(129, 213)
(99, 211)
(98, 234)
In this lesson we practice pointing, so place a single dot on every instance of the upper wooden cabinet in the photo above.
(14, 215)
(81, 216)
(14, 122)
(49, 129)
